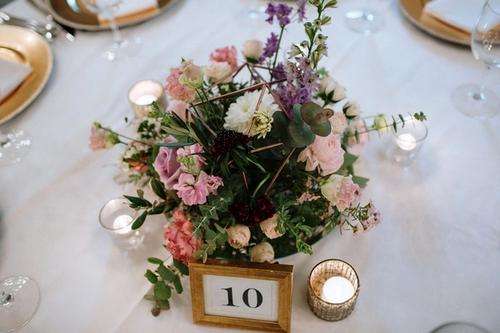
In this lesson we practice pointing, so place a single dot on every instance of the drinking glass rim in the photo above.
(102, 209)
(488, 4)
(459, 323)
(420, 139)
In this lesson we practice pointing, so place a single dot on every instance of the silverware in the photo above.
(48, 31)
(69, 32)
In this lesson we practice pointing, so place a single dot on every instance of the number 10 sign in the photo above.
(242, 295)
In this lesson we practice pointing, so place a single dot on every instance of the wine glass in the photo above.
(459, 327)
(120, 46)
(19, 300)
(13, 146)
(364, 20)
(475, 100)
(255, 9)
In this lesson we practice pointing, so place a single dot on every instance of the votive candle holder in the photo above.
(143, 94)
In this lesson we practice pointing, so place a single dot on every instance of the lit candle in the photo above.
(337, 289)
(143, 94)
(145, 100)
(406, 141)
(122, 224)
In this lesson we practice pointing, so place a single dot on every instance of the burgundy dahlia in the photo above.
(225, 141)
(252, 213)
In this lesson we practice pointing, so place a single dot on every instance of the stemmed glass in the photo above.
(364, 20)
(255, 10)
(475, 100)
(19, 300)
(121, 46)
(13, 146)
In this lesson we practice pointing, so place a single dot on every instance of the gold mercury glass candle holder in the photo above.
(333, 289)
(142, 95)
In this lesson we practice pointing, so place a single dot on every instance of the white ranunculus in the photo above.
(252, 49)
(242, 116)
(238, 236)
(217, 71)
(338, 122)
(262, 252)
(351, 110)
(329, 85)
(269, 227)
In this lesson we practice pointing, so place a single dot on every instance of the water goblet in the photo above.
(19, 300)
(364, 20)
(475, 100)
(121, 46)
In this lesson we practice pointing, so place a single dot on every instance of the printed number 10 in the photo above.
(244, 297)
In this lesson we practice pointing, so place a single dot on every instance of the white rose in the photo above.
(238, 236)
(262, 252)
(252, 50)
(328, 86)
(351, 110)
(331, 188)
(269, 225)
(338, 122)
(217, 71)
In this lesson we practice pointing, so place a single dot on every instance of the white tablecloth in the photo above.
(435, 257)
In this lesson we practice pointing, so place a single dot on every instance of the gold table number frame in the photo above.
(283, 274)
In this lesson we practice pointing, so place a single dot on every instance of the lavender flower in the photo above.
(279, 72)
(301, 10)
(271, 47)
(283, 14)
(270, 11)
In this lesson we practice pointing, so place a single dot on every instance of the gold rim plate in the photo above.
(74, 14)
(27, 47)
(414, 12)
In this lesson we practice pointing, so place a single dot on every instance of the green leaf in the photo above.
(300, 134)
(361, 181)
(210, 234)
(158, 188)
(165, 273)
(322, 129)
(138, 202)
(164, 304)
(349, 160)
(162, 291)
(159, 209)
(178, 284)
(156, 261)
(181, 267)
(151, 276)
(139, 221)
(176, 144)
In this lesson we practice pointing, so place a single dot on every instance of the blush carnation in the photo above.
(324, 153)
(97, 138)
(341, 191)
(180, 239)
(225, 54)
(192, 191)
(238, 236)
(190, 158)
(176, 89)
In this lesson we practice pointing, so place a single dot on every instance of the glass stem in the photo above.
(117, 36)
(4, 139)
(6, 299)
(482, 84)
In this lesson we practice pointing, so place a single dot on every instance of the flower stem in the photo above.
(277, 49)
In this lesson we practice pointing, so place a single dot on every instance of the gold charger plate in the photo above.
(73, 13)
(25, 47)
(414, 12)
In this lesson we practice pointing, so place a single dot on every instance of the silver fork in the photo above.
(47, 30)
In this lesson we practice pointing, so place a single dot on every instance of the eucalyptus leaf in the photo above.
(139, 221)
(162, 291)
(151, 276)
(178, 284)
(181, 267)
(165, 273)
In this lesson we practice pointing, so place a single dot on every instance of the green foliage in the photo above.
(317, 118)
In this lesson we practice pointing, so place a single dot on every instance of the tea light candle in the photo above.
(406, 141)
(122, 224)
(142, 95)
(337, 290)
(333, 289)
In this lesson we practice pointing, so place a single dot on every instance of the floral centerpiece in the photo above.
(253, 159)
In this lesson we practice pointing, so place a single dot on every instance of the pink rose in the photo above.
(269, 227)
(238, 236)
(219, 72)
(180, 239)
(167, 167)
(325, 153)
(338, 122)
(179, 108)
(190, 158)
(176, 89)
(225, 54)
(341, 191)
(192, 75)
(262, 252)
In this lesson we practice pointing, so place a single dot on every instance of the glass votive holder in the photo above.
(333, 289)
(143, 94)
(117, 218)
(459, 327)
(407, 141)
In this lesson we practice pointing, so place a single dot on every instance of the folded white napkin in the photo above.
(131, 7)
(462, 14)
(11, 76)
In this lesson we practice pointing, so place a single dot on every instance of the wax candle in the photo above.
(145, 99)
(122, 224)
(406, 141)
(337, 289)
(143, 94)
